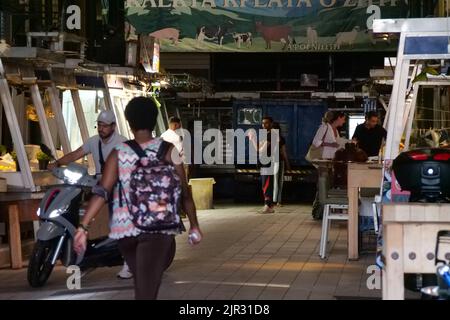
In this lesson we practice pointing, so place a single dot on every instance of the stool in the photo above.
(328, 215)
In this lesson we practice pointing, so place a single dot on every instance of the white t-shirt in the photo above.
(91, 147)
(325, 133)
(174, 138)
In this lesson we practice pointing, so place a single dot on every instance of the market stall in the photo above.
(24, 77)
(414, 120)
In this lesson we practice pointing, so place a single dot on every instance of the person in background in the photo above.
(100, 146)
(327, 137)
(173, 135)
(267, 178)
(280, 167)
(148, 254)
(370, 134)
(328, 134)
(350, 153)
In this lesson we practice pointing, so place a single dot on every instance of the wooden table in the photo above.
(409, 241)
(18, 207)
(360, 175)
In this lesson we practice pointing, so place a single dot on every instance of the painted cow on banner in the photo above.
(214, 33)
(242, 38)
(278, 33)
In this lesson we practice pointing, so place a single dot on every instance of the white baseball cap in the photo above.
(106, 116)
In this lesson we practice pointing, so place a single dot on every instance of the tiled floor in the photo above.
(244, 255)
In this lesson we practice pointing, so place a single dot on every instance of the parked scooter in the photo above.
(59, 213)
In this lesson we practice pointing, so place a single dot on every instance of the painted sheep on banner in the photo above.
(347, 37)
(311, 35)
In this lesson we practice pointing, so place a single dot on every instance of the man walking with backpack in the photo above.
(149, 183)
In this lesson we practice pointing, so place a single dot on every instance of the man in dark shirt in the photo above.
(369, 135)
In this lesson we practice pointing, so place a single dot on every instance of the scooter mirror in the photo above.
(47, 151)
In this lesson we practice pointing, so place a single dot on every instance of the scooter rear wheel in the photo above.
(40, 266)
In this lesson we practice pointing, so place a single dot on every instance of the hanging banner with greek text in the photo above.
(263, 25)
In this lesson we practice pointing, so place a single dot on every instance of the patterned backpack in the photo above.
(155, 190)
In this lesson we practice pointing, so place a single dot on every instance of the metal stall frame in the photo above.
(29, 80)
(432, 30)
(61, 125)
(11, 117)
(420, 39)
(118, 73)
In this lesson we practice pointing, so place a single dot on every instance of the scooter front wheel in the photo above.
(40, 266)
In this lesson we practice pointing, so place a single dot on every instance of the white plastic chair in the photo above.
(328, 216)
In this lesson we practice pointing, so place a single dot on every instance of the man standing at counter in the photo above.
(100, 146)
(369, 135)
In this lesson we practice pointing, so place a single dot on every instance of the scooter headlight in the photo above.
(57, 212)
(72, 176)
(38, 212)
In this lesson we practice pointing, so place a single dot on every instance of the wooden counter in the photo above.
(17, 207)
(360, 175)
(409, 242)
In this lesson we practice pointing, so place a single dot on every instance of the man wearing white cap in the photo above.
(100, 146)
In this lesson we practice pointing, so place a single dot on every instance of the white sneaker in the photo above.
(125, 272)
(266, 210)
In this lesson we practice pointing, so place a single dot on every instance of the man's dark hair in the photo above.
(371, 114)
(141, 113)
(268, 118)
(174, 120)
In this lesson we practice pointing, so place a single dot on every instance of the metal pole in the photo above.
(61, 125)
(37, 101)
(107, 96)
(1, 119)
(110, 106)
(397, 103)
(81, 121)
(412, 112)
(6, 99)
(80, 115)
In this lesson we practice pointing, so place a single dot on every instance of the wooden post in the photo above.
(353, 194)
(15, 243)
(393, 238)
